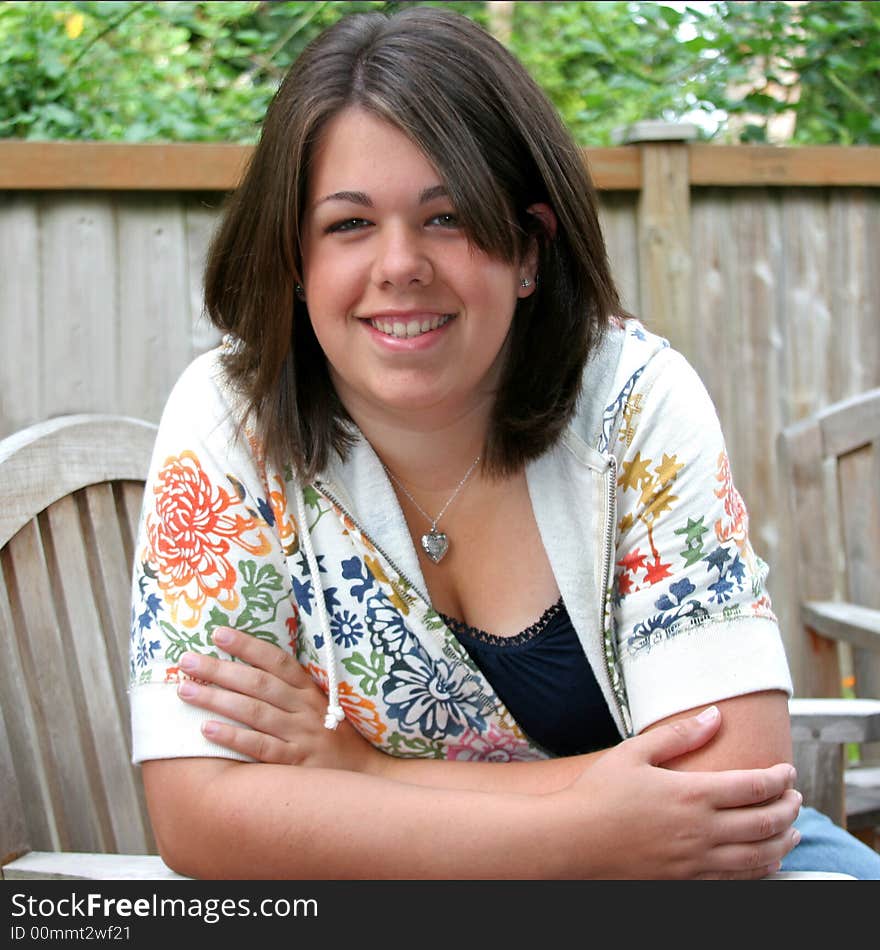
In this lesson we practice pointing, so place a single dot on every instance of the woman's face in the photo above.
(412, 317)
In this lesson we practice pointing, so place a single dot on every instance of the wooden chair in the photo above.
(70, 800)
(831, 471)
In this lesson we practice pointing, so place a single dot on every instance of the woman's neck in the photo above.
(428, 452)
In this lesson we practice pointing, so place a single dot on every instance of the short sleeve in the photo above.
(210, 552)
(693, 620)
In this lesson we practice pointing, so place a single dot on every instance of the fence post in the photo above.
(664, 227)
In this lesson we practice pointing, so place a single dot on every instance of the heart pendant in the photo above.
(436, 544)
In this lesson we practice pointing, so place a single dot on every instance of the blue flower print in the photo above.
(433, 699)
(388, 631)
(354, 570)
(731, 574)
(677, 593)
(673, 607)
(722, 590)
(266, 511)
(303, 594)
(717, 558)
(303, 564)
(145, 651)
(346, 629)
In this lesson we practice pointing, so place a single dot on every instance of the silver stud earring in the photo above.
(525, 282)
(300, 292)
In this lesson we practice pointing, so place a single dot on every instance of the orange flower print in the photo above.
(734, 526)
(284, 523)
(190, 533)
(351, 528)
(360, 712)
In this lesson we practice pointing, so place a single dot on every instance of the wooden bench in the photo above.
(831, 468)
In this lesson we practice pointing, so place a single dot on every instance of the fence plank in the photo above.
(200, 219)
(664, 241)
(78, 366)
(155, 338)
(20, 315)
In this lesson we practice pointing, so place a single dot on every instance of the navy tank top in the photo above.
(542, 676)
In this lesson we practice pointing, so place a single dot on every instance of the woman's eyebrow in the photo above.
(362, 198)
(353, 197)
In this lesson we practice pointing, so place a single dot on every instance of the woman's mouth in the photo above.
(404, 329)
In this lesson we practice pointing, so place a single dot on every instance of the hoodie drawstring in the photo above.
(335, 713)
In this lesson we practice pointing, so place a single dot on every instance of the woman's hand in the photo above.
(280, 707)
(663, 823)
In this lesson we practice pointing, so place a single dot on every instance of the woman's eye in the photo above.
(349, 224)
(446, 220)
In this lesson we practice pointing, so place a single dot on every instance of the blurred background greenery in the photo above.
(791, 72)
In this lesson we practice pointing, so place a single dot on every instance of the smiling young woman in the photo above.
(383, 255)
(437, 474)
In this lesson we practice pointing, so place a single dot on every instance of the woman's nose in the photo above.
(401, 259)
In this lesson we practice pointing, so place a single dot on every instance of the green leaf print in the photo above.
(370, 671)
(261, 606)
(693, 533)
(433, 621)
(215, 619)
(415, 747)
(180, 642)
(266, 635)
(259, 585)
(311, 497)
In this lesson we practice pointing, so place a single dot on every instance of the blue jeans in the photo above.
(825, 846)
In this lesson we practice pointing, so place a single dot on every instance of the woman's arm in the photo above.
(281, 709)
(625, 817)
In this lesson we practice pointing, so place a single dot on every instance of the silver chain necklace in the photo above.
(435, 543)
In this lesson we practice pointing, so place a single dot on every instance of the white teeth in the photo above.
(410, 328)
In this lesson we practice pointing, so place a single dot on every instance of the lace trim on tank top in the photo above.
(538, 627)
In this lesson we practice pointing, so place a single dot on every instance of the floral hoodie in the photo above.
(644, 530)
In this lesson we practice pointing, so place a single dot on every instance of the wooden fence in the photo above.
(760, 264)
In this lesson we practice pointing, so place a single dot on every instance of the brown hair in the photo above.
(499, 146)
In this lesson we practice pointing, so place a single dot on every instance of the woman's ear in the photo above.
(546, 215)
(529, 267)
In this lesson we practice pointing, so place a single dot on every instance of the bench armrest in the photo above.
(834, 720)
(859, 626)
(78, 866)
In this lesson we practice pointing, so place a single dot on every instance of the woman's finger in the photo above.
(754, 857)
(239, 678)
(257, 683)
(247, 710)
(675, 739)
(759, 822)
(261, 655)
(255, 745)
(737, 788)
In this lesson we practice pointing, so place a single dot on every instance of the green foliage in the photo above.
(205, 71)
(819, 60)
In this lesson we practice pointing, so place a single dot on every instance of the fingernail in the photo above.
(187, 690)
(800, 797)
(795, 837)
(189, 662)
(210, 729)
(222, 636)
(708, 715)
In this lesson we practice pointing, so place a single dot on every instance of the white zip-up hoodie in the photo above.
(644, 530)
